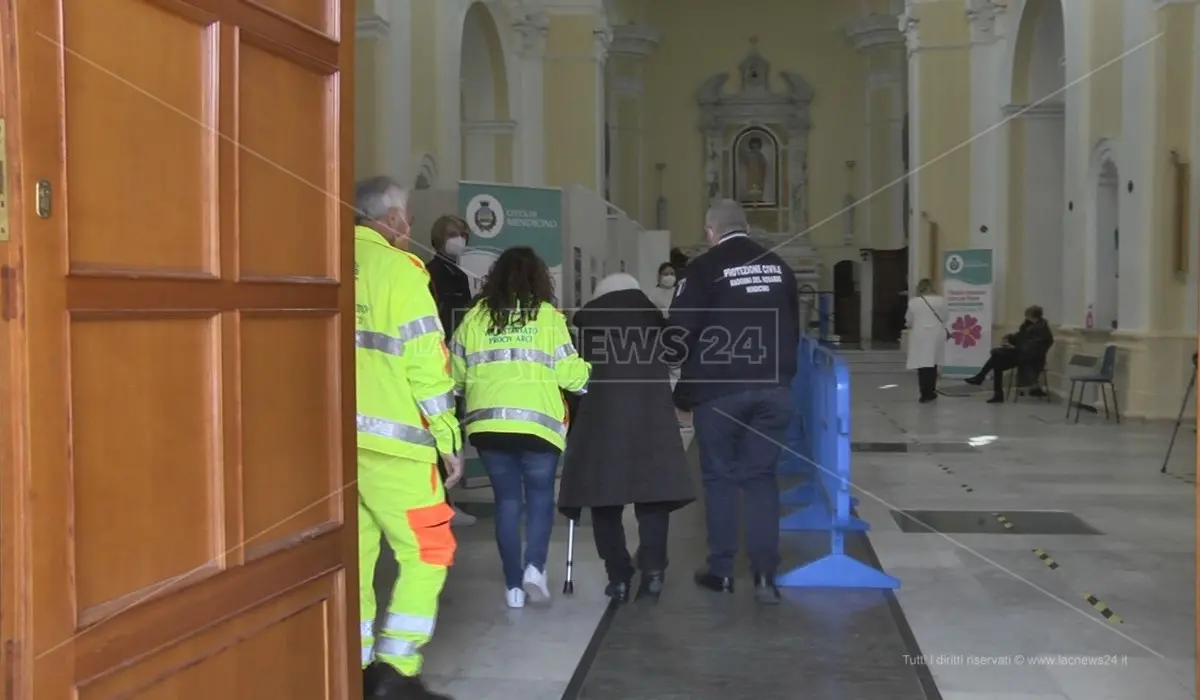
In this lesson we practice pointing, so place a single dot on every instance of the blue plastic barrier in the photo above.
(819, 449)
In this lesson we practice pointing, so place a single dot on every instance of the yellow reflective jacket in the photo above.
(405, 391)
(514, 380)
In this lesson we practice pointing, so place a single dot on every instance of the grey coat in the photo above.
(624, 446)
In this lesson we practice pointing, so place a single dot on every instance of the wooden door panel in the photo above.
(290, 426)
(234, 656)
(141, 93)
(190, 392)
(140, 456)
(285, 171)
(321, 17)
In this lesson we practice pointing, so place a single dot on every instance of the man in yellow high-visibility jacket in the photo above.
(406, 418)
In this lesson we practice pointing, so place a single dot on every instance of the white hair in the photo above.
(375, 196)
(617, 282)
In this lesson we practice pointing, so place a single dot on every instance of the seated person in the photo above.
(1025, 350)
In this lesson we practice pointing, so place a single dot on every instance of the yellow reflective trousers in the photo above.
(403, 500)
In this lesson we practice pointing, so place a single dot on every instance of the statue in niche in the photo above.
(712, 172)
(755, 169)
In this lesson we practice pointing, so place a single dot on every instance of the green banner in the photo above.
(505, 216)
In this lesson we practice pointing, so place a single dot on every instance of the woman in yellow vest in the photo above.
(513, 357)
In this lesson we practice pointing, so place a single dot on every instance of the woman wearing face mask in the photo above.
(662, 294)
(451, 290)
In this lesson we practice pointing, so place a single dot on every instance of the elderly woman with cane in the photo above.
(625, 447)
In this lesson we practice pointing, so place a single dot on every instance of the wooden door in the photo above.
(185, 429)
(889, 270)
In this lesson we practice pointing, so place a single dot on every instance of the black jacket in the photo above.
(624, 446)
(1033, 341)
(451, 290)
(734, 322)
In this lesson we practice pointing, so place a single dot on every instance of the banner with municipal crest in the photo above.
(967, 278)
(502, 217)
(506, 216)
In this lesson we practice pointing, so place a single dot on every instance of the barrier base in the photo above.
(816, 517)
(838, 571)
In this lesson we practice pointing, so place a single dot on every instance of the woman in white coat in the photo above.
(926, 337)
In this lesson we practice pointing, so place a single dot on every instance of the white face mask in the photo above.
(667, 281)
(455, 246)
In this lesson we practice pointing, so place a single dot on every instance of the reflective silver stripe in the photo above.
(368, 655)
(517, 414)
(397, 623)
(419, 327)
(564, 351)
(372, 340)
(483, 357)
(458, 349)
(387, 646)
(437, 404)
(581, 390)
(367, 629)
(396, 431)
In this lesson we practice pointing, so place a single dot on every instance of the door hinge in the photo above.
(8, 293)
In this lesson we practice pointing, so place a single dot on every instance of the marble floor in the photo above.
(994, 619)
(991, 596)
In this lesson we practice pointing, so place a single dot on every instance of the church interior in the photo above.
(865, 139)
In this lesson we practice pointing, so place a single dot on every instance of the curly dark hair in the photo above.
(515, 288)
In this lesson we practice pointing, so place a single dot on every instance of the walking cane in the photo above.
(569, 583)
(1187, 394)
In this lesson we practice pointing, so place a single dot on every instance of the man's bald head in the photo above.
(724, 216)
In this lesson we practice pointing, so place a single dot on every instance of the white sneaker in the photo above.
(515, 598)
(535, 584)
(461, 519)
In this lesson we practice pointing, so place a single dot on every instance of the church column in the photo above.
(910, 26)
(631, 45)
(526, 100)
(1138, 158)
(877, 37)
(989, 144)
(372, 32)
(576, 49)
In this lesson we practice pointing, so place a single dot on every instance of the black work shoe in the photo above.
(765, 590)
(998, 398)
(651, 586)
(706, 579)
(976, 380)
(390, 684)
(618, 591)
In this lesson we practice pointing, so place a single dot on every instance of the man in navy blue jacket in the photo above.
(735, 325)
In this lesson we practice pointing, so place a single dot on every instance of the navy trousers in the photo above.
(741, 436)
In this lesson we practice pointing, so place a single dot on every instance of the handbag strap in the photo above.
(935, 313)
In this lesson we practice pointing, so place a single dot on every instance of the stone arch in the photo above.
(1102, 249)
(485, 143)
(1035, 91)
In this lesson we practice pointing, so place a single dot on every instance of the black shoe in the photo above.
(618, 591)
(651, 586)
(998, 398)
(1037, 393)
(976, 380)
(927, 399)
(706, 579)
(391, 685)
(765, 590)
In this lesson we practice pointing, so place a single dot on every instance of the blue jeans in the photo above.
(522, 479)
(741, 436)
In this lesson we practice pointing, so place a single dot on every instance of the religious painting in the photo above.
(756, 168)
